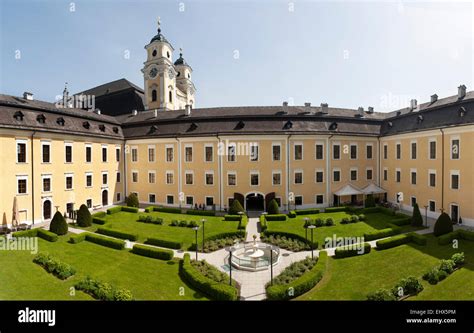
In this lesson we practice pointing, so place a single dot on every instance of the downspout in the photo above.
(32, 181)
(379, 165)
(442, 170)
(125, 170)
(288, 171)
(179, 169)
(219, 172)
(328, 168)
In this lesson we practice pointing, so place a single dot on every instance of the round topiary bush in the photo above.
(58, 224)
(132, 200)
(273, 207)
(235, 208)
(443, 225)
(416, 220)
(84, 217)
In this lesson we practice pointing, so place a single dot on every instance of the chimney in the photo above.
(155, 113)
(187, 110)
(360, 111)
(134, 112)
(370, 110)
(28, 96)
(285, 107)
(461, 91)
(307, 105)
(324, 108)
(413, 104)
(434, 98)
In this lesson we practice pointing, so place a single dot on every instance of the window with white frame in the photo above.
(22, 184)
(69, 181)
(413, 176)
(319, 176)
(189, 178)
(88, 153)
(432, 149)
(231, 178)
(319, 152)
(353, 172)
(276, 152)
(209, 175)
(89, 203)
(398, 151)
(68, 152)
(369, 174)
(398, 175)
(353, 148)
(454, 179)
(231, 151)
(276, 178)
(254, 178)
(385, 151)
(151, 154)
(208, 152)
(385, 174)
(188, 153)
(170, 199)
(46, 152)
(413, 150)
(104, 154)
(189, 200)
(46, 180)
(319, 199)
(21, 151)
(432, 205)
(254, 152)
(369, 151)
(298, 177)
(336, 175)
(134, 176)
(336, 151)
(298, 151)
(88, 179)
(209, 201)
(151, 177)
(105, 177)
(169, 177)
(455, 148)
(134, 152)
(151, 198)
(117, 154)
(432, 178)
(169, 153)
(118, 179)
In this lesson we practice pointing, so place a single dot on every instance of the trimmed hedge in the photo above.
(307, 211)
(99, 214)
(77, 238)
(117, 234)
(401, 221)
(216, 291)
(335, 209)
(149, 209)
(54, 266)
(418, 239)
(105, 241)
(268, 233)
(370, 210)
(351, 251)
(230, 234)
(243, 223)
(117, 209)
(275, 217)
(114, 210)
(302, 284)
(393, 241)
(103, 291)
(458, 234)
(263, 223)
(231, 217)
(201, 212)
(26, 233)
(152, 252)
(98, 220)
(164, 243)
(167, 210)
(381, 233)
(291, 214)
(41, 233)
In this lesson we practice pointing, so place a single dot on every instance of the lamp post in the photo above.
(426, 215)
(196, 232)
(230, 249)
(312, 227)
(271, 247)
(306, 219)
(240, 214)
(203, 221)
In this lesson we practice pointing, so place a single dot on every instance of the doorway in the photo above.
(47, 210)
(105, 198)
(455, 213)
(254, 202)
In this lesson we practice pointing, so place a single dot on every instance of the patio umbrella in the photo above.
(4, 222)
(16, 213)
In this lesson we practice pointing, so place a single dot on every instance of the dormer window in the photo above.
(18, 116)
(41, 118)
(462, 111)
(390, 124)
(115, 129)
(288, 125)
(153, 129)
(86, 125)
(419, 119)
(192, 127)
(154, 53)
(102, 128)
(60, 121)
(333, 126)
(240, 125)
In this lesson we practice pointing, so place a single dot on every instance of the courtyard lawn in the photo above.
(146, 278)
(353, 278)
(127, 222)
(374, 222)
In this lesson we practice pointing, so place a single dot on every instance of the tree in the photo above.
(370, 201)
(132, 200)
(58, 224)
(416, 219)
(273, 207)
(84, 218)
(235, 208)
(443, 225)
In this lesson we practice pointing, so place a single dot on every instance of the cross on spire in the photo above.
(181, 51)
(159, 24)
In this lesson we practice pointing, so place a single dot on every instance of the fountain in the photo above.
(254, 256)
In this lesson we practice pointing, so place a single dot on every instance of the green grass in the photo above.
(375, 221)
(146, 278)
(127, 222)
(353, 278)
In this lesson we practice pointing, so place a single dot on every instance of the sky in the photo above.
(344, 53)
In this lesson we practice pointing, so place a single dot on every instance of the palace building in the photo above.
(156, 143)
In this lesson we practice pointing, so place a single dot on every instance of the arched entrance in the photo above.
(105, 198)
(47, 210)
(254, 202)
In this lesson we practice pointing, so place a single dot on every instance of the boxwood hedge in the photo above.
(164, 243)
(152, 252)
(117, 233)
(268, 233)
(74, 239)
(381, 233)
(201, 212)
(307, 211)
(458, 234)
(275, 217)
(231, 217)
(114, 210)
(41, 233)
(105, 241)
(335, 209)
(351, 251)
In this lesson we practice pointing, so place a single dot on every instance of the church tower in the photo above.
(167, 85)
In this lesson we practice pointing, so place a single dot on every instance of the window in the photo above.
(105, 177)
(170, 199)
(399, 151)
(319, 199)
(89, 202)
(21, 152)
(369, 174)
(276, 178)
(298, 152)
(134, 176)
(189, 200)
(336, 175)
(170, 93)
(231, 153)
(189, 178)
(298, 200)
(413, 150)
(354, 174)
(209, 178)
(188, 151)
(69, 182)
(454, 180)
(104, 154)
(455, 149)
(88, 154)
(209, 201)
(88, 179)
(432, 206)
(385, 152)
(118, 179)
(151, 177)
(385, 174)
(432, 150)
(298, 177)
(336, 152)
(154, 95)
(47, 184)
(398, 176)
(169, 177)
(254, 153)
(413, 177)
(117, 154)
(169, 154)
(118, 197)
(319, 151)
(353, 152)
(369, 151)
(254, 179)
(46, 152)
(134, 154)
(231, 179)
(22, 185)
(276, 152)
(209, 154)
(151, 198)
(68, 152)
(319, 176)
(432, 179)
(413, 201)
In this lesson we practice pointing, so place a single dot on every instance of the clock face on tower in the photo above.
(153, 72)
